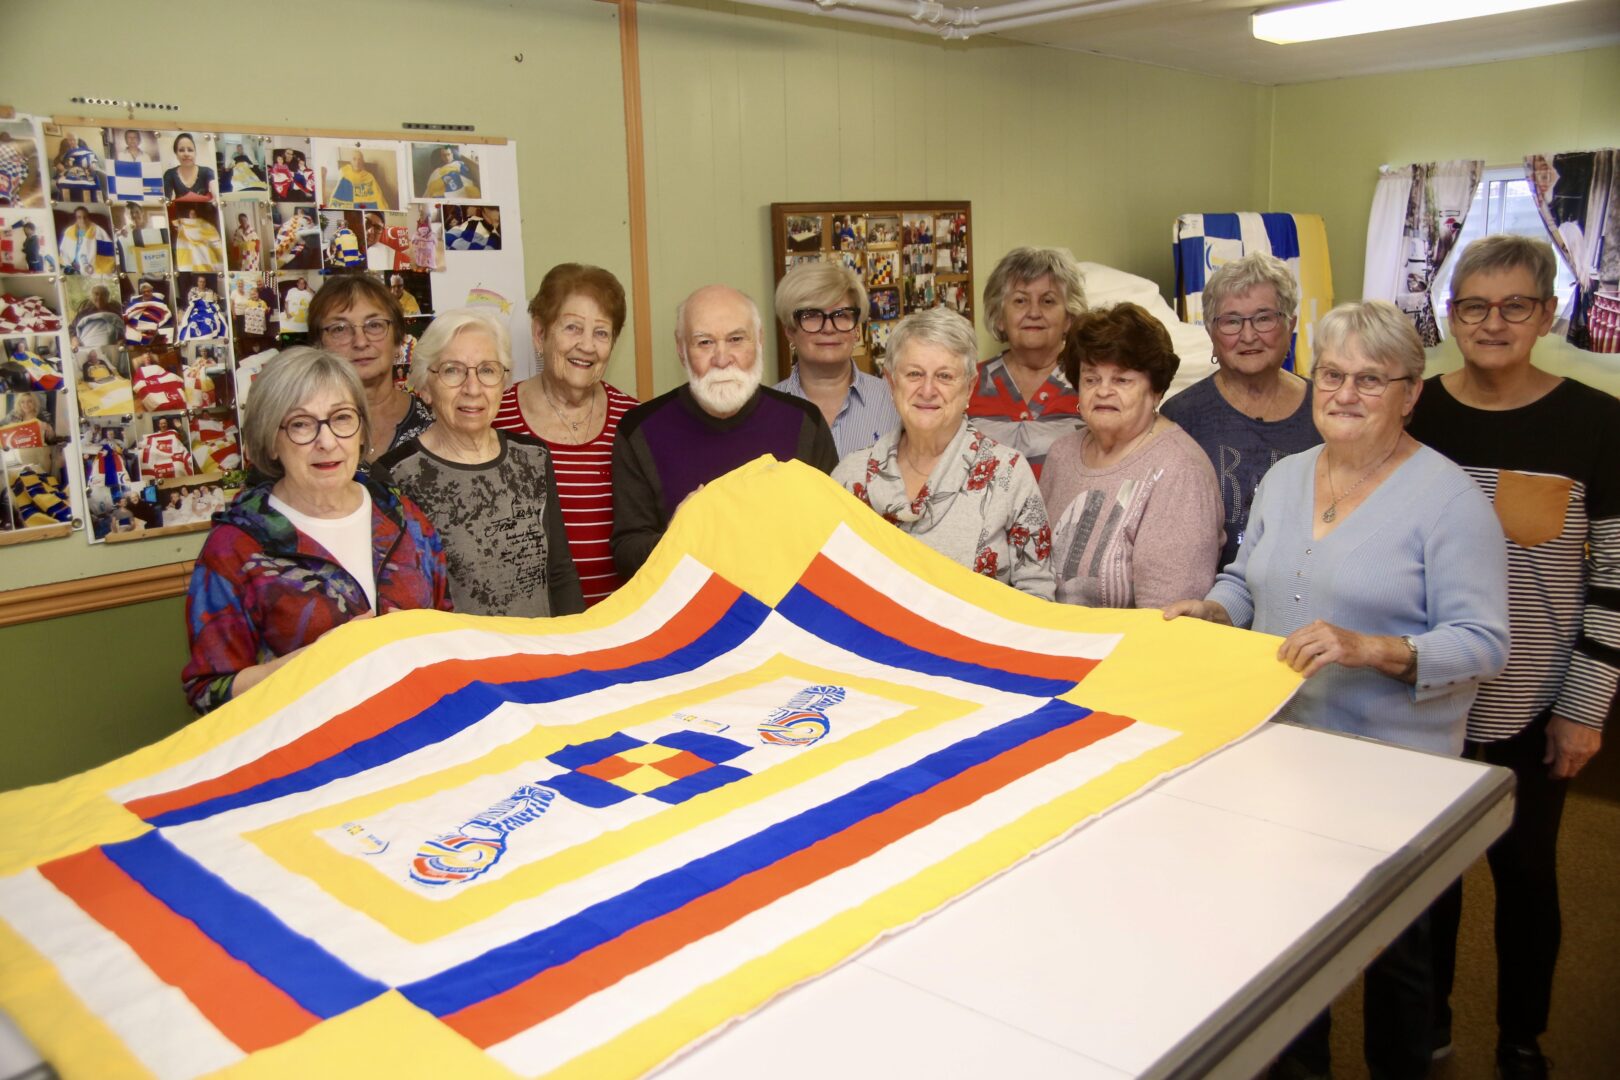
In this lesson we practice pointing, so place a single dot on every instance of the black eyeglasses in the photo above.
(1368, 383)
(1264, 322)
(1515, 309)
(453, 374)
(814, 320)
(303, 430)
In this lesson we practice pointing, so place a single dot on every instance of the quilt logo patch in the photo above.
(803, 720)
(461, 856)
(367, 841)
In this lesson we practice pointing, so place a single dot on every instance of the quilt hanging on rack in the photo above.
(1203, 243)
(571, 847)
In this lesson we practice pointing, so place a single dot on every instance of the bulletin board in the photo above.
(911, 256)
(149, 270)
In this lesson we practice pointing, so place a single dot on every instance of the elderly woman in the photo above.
(575, 319)
(937, 476)
(1544, 450)
(355, 316)
(312, 547)
(1134, 503)
(1021, 397)
(1382, 567)
(821, 307)
(1251, 412)
(491, 494)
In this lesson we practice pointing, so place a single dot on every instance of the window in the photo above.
(1502, 204)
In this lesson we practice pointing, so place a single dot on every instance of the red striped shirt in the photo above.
(584, 490)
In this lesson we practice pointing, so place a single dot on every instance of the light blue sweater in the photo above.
(1422, 555)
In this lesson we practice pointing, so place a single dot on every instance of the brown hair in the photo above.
(1126, 335)
(566, 279)
(342, 292)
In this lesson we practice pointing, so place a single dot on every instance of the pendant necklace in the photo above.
(1332, 512)
(573, 426)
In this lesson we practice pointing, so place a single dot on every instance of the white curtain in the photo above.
(1421, 234)
(1385, 272)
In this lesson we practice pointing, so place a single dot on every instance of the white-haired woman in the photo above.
(1251, 412)
(491, 494)
(821, 307)
(1382, 567)
(313, 546)
(941, 479)
(1021, 397)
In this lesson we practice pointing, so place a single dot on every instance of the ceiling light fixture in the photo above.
(1344, 18)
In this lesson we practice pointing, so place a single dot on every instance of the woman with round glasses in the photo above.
(1381, 566)
(940, 479)
(313, 546)
(355, 316)
(492, 494)
(822, 307)
(575, 319)
(1251, 412)
(1546, 451)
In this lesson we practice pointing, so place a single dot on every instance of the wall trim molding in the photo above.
(39, 602)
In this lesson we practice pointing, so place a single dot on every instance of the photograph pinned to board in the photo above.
(340, 240)
(29, 304)
(885, 303)
(243, 172)
(853, 260)
(295, 291)
(291, 170)
(37, 501)
(77, 171)
(471, 227)
(110, 468)
(26, 244)
(216, 441)
(189, 159)
(94, 310)
(297, 237)
(882, 269)
(803, 232)
(388, 240)
(142, 233)
(849, 231)
(156, 374)
(102, 384)
(883, 231)
(879, 333)
(22, 166)
(802, 259)
(202, 313)
(446, 171)
(134, 166)
(207, 375)
(253, 311)
(148, 309)
(84, 239)
(917, 259)
(250, 233)
(357, 174)
(199, 246)
(31, 362)
(920, 293)
(427, 237)
(414, 291)
(917, 229)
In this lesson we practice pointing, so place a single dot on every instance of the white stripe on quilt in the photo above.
(644, 994)
(156, 1022)
(1252, 230)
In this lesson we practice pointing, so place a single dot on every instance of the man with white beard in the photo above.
(721, 418)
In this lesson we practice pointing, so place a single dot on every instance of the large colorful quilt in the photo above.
(480, 847)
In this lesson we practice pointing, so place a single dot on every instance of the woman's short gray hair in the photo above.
(1026, 264)
(1251, 272)
(1502, 252)
(291, 378)
(1382, 331)
(446, 327)
(819, 285)
(940, 326)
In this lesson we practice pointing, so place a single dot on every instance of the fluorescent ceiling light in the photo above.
(1344, 18)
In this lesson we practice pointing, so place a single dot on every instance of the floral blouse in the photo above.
(980, 506)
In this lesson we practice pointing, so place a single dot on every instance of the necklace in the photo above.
(573, 425)
(1104, 458)
(1332, 511)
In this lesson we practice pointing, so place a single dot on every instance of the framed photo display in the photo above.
(909, 255)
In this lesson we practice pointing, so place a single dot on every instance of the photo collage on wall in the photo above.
(147, 277)
(910, 257)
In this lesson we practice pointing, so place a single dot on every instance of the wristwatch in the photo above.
(1410, 670)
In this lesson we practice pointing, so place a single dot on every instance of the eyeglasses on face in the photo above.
(1264, 322)
(1515, 309)
(814, 320)
(343, 333)
(1367, 383)
(453, 374)
(303, 429)
(945, 378)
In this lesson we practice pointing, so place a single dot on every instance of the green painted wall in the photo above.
(1329, 138)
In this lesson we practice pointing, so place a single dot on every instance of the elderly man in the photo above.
(670, 446)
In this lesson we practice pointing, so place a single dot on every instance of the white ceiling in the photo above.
(1212, 37)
